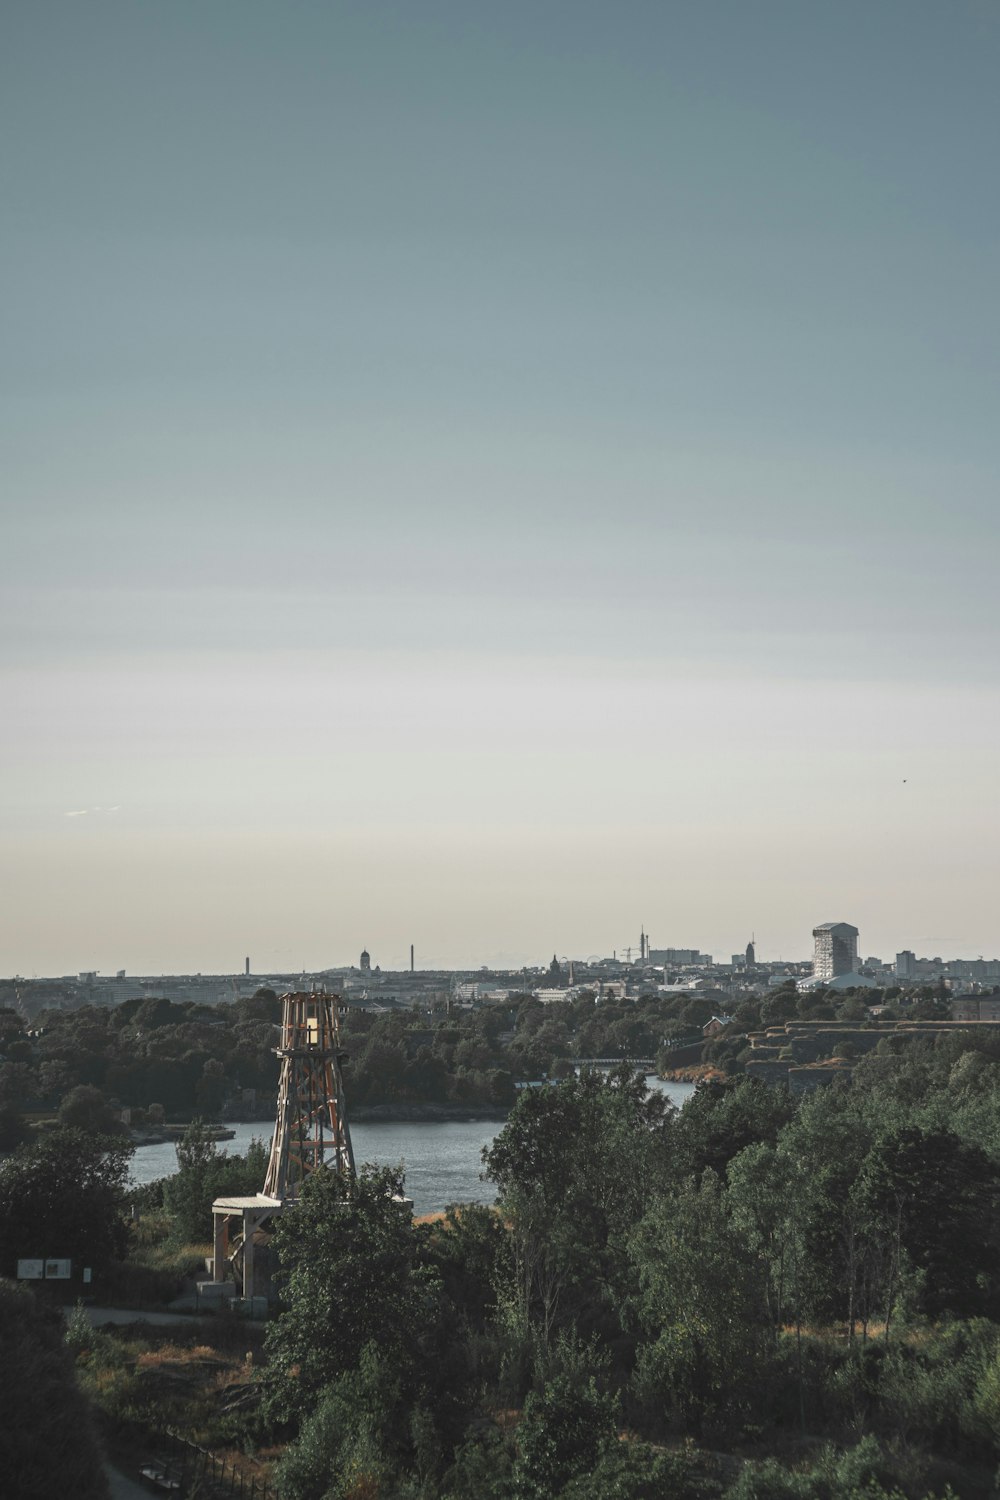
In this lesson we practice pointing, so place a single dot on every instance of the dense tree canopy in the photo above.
(575, 1166)
(753, 1266)
(64, 1198)
(352, 1278)
(205, 1173)
(807, 1285)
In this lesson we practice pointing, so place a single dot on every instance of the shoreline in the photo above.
(695, 1073)
(404, 1113)
(397, 1113)
(164, 1135)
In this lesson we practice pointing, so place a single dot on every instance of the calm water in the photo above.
(442, 1159)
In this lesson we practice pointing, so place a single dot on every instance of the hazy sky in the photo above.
(490, 476)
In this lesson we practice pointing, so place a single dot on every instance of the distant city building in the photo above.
(366, 961)
(906, 964)
(835, 951)
(851, 981)
(678, 957)
(751, 955)
(975, 1008)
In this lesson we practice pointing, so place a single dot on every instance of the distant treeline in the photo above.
(197, 1060)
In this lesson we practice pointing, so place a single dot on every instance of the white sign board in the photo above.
(30, 1270)
(57, 1270)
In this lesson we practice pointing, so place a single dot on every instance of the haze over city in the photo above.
(496, 477)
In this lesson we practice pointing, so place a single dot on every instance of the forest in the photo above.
(756, 1296)
(185, 1060)
(752, 1297)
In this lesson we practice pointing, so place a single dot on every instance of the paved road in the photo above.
(101, 1315)
(123, 1488)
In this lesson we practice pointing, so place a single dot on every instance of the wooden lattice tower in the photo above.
(310, 1130)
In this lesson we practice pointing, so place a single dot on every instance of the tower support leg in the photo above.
(221, 1247)
(249, 1229)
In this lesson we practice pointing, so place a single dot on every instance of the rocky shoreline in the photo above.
(696, 1073)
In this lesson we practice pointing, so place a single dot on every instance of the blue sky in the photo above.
(492, 476)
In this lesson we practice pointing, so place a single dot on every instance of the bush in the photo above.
(481, 1467)
(205, 1174)
(860, 1473)
(47, 1441)
(345, 1446)
(565, 1430)
(85, 1108)
(633, 1471)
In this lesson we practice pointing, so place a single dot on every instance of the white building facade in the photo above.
(835, 950)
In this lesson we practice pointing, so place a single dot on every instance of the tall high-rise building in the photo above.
(751, 955)
(835, 951)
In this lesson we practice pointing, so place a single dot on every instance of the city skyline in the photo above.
(485, 476)
(395, 961)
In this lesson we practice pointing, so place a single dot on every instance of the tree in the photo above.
(721, 1119)
(781, 1005)
(349, 1443)
(13, 1129)
(203, 1174)
(262, 1005)
(700, 1310)
(352, 1277)
(85, 1108)
(763, 1192)
(156, 1012)
(47, 1441)
(576, 1165)
(55, 1079)
(765, 1198)
(565, 1429)
(470, 1250)
(825, 1144)
(64, 1198)
(15, 1087)
(929, 1194)
(210, 1089)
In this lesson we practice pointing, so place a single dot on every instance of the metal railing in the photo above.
(186, 1471)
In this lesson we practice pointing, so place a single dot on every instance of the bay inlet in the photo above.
(442, 1158)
